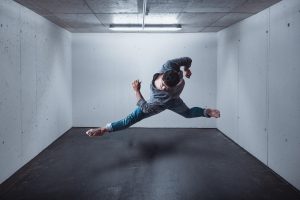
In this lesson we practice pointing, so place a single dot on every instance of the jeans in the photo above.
(176, 105)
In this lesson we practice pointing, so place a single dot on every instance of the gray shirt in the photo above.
(161, 97)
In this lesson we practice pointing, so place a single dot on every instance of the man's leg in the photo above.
(178, 106)
(134, 117)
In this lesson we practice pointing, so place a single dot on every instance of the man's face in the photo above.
(164, 86)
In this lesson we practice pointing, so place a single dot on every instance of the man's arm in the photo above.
(176, 63)
(141, 102)
(136, 85)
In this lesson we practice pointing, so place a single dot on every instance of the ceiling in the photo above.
(95, 16)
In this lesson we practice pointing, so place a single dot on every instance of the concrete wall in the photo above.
(35, 85)
(258, 87)
(104, 65)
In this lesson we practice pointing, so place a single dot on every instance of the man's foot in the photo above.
(96, 132)
(213, 113)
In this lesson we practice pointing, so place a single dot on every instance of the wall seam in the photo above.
(238, 87)
(20, 92)
(71, 63)
(36, 78)
(268, 84)
(217, 85)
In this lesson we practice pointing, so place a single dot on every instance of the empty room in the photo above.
(149, 99)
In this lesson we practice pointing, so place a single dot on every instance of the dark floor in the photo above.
(144, 164)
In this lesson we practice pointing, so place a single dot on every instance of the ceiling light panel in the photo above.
(147, 28)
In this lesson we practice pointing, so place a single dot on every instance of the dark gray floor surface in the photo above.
(146, 164)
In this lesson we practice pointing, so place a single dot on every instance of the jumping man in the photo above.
(165, 89)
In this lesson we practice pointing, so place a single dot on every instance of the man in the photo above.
(166, 87)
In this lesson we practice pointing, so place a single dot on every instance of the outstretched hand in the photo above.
(213, 113)
(136, 85)
(187, 73)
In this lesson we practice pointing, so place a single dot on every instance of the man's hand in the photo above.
(187, 73)
(213, 113)
(136, 85)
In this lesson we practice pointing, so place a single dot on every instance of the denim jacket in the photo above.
(158, 98)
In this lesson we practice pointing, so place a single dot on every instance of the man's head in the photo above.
(171, 78)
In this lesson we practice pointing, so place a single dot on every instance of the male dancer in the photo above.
(165, 88)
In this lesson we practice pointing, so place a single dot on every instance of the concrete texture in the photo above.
(258, 70)
(146, 164)
(252, 87)
(257, 73)
(104, 65)
(35, 85)
(81, 16)
(283, 91)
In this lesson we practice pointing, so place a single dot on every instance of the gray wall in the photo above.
(104, 65)
(35, 85)
(258, 87)
(257, 90)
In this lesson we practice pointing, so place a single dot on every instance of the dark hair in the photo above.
(171, 78)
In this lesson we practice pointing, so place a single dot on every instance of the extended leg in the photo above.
(178, 106)
(134, 117)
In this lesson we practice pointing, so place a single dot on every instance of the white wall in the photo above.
(258, 80)
(258, 86)
(35, 85)
(104, 65)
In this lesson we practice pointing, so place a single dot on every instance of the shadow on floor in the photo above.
(146, 164)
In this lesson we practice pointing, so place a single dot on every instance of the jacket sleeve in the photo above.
(148, 107)
(176, 63)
